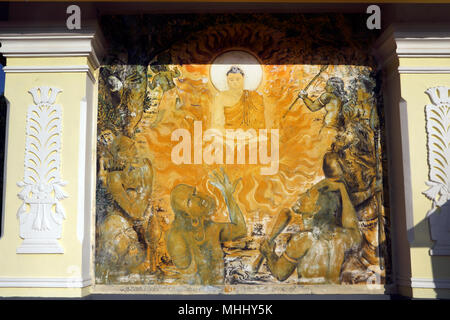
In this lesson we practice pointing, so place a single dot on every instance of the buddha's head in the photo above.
(235, 78)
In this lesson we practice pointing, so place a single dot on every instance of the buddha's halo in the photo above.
(241, 59)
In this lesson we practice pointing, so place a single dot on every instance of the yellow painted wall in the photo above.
(67, 265)
(431, 293)
(43, 61)
(421, 62)
(73, 87)
(413, 86)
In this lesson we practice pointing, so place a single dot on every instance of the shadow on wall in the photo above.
(3, 128)
(433, 232)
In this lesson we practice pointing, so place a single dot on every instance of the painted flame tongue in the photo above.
(301, 149)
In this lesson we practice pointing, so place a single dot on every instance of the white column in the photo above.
(415, 60)
(51, 78)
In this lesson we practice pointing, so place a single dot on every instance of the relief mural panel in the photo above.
(240, 149)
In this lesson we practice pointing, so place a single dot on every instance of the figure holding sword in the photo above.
(332, 100)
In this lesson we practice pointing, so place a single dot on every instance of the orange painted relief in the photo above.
(246, 150)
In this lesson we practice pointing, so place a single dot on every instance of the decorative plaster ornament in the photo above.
(438, 130)
(41, 214)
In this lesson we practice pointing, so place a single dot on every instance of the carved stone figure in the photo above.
(161, 83)
(129, 179)
(194, 240)
(332, 100)
(330, 231)
(357, 157)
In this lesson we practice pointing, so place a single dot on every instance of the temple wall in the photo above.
(48, 274)
(416, 270)
(427, 270)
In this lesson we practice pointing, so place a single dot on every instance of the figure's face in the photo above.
(235, 81)
(195, 204)
(345, 139)
(349, 135)
(339, 142)
(335, 170)
(107, 137)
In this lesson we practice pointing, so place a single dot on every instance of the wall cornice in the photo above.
(53, 43)
(405, 41)
(423, 70)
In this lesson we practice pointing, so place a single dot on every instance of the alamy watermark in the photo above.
(73, 21)
(374, 20)
(227, 147)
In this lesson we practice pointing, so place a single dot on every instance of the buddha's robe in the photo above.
(247, 113)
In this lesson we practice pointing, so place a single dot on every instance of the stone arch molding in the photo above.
(41, 213)
(438, 142)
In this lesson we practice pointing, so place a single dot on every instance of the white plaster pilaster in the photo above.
(437, 116)
(396, 44)
(42, 186)
(60, 42)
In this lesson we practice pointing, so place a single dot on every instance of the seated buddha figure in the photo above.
(237, 108)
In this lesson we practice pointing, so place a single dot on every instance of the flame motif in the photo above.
(301, 147)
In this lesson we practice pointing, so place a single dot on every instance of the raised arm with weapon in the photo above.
(322, 69)
(331, 100)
